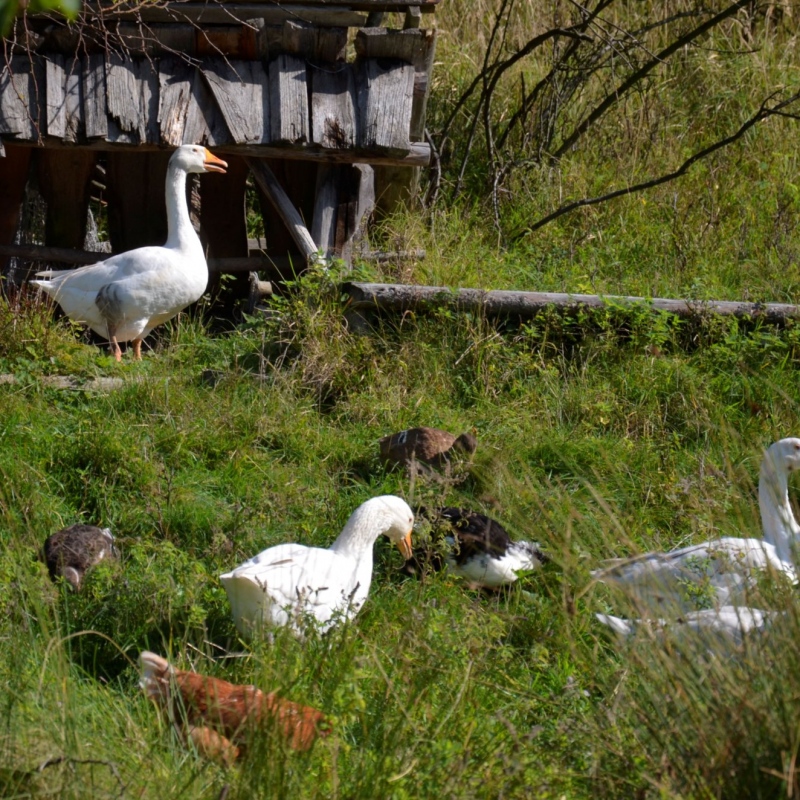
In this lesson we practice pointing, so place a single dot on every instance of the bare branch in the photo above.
(614, 96)
(763, 113)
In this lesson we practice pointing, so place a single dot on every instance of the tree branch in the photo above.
(617, 94)
(763, 113)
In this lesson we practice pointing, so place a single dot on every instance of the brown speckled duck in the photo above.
(73, 550)
(426, 445)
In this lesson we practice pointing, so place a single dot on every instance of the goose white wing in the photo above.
(711, 626)
(725, 568)
(290, 583)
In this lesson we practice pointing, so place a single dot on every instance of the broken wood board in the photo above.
(288, 100)
(385, 97)
(21, 81)
(333, 106)
(240, 90)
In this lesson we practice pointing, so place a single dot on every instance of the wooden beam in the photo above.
(230, 13)
(283, 205)
(67, 255)
(398, 298)
(419, 154)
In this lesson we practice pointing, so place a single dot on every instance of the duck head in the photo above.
(196, 158)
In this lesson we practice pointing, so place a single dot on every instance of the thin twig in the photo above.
(763, 113)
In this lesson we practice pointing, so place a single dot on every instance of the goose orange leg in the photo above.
(137, 349)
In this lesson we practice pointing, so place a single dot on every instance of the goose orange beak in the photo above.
(214, 164)
(404, 546)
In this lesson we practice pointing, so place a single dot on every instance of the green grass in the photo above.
(600, 435)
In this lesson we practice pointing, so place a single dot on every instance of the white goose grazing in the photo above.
(725, 569)
(725, 625)
(294, 585)
(124, 297)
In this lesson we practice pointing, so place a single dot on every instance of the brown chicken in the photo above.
(218, 716)
(72, 551)
(426, 445)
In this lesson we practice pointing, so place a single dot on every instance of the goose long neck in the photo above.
(359, 534)
(180, 231)
(777, 519)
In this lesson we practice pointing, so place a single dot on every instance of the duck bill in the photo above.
(214, 164)
(404, 546)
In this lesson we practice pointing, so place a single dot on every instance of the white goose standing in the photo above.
(124, 297)
(725, 568)
(298, 586)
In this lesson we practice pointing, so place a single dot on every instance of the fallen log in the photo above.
(400, 297)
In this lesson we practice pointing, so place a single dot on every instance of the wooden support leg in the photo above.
(64, 183)
(345, 198)
(13, 177)
(137, 210)
(223, 222)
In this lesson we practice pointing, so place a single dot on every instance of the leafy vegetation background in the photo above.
(600, 436)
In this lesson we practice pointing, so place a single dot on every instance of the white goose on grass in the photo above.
(124, 297)
(725, 569)
(298, 586)
(725, 625)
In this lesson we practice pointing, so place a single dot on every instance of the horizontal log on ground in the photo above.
(399, 297)
(419, 154)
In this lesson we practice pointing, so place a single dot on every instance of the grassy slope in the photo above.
(599, 436)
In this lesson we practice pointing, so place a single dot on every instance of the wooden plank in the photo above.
(73, 89)
(413, 18)
(19, 93)
(418, 47)
(385, 96)
(286, 210)
(399, 297)
(333, 106)
(156, 40)
(148, 77)
(56, 103)
(427, 7)
(219, 14)
(418, 156)
(240, 89)
(323, 225)
(94, 96)
(175, 78)
(355, 210)
(288, 100)
(313, 41)
(14, 167)
(124, 99)
(204, 122)
(67, 255)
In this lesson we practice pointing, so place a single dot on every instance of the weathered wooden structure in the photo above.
(323, 106)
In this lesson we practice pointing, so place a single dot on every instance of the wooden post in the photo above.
(223, 222)
(137, 208)
(13, 177)
(64, 183)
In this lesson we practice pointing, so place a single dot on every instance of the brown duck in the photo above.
(426, 445)
(71, 551)
(217, 716)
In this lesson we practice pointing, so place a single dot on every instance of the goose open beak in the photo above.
(214, 164)
(404, 546)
